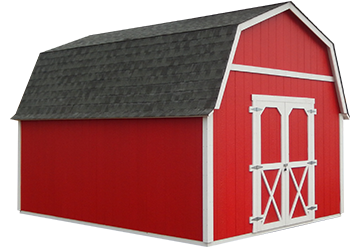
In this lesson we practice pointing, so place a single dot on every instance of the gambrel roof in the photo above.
(171, 69)
(165, 70)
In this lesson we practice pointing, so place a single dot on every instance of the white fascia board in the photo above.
(283, 73)
(312, 27)
(208, 179)
(338, 83)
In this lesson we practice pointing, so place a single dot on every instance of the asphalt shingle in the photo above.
(165, 70)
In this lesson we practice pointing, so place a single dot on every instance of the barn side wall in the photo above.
(233, 148)
(140, 174)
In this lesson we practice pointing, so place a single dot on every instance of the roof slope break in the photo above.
(165, 70)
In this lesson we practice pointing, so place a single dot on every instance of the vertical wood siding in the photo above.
(233, 147)
(143, 174)
(283, 42)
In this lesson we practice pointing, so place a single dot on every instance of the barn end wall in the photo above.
(233, 148)
(139, 174)
(283, 42)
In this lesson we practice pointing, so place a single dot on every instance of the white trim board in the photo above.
(52, 223)
(312, 27)
(278, 72)
(341, 141)
(15, 167)
(287, 99)
(208, 181)
(249, 235)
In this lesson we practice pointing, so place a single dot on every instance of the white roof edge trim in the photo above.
(228, 68)
(312, 27)
(241, 27)
(338, 83)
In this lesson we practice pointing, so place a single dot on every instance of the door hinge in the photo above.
(312, 208)
(256, 219)
(312, 111)
(254, 109)
(256, 167)
(312, 162)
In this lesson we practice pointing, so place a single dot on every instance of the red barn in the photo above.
(201, 130)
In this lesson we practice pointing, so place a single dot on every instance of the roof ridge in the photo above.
(168, 28)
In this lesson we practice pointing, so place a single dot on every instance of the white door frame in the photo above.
(285, 174)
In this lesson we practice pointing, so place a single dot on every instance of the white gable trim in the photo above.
(311, 26)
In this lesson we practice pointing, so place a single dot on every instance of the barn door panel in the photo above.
(298, 144)
(301, 162)
(268, 180)
(283, 161)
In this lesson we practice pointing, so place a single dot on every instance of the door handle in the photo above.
(285, 167)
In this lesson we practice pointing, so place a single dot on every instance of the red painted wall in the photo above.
(283, 42)
(143, 174)
(233, 147)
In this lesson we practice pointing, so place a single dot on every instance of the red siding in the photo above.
(270, 136)
(233, 147)
(283, 42)
(138, 174)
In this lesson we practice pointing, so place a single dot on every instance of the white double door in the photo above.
(283, 160)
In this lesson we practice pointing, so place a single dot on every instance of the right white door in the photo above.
(283, 161)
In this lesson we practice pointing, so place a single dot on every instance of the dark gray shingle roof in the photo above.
(165, 70)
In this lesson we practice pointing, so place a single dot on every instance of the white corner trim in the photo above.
(341, 141)
(19, 164)
(15, 167)
(278, 72)
(208, 180)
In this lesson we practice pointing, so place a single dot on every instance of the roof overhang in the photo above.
(331, 51)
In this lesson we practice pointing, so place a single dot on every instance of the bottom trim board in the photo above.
(34, 224)
(217, 242)
(51, 226)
